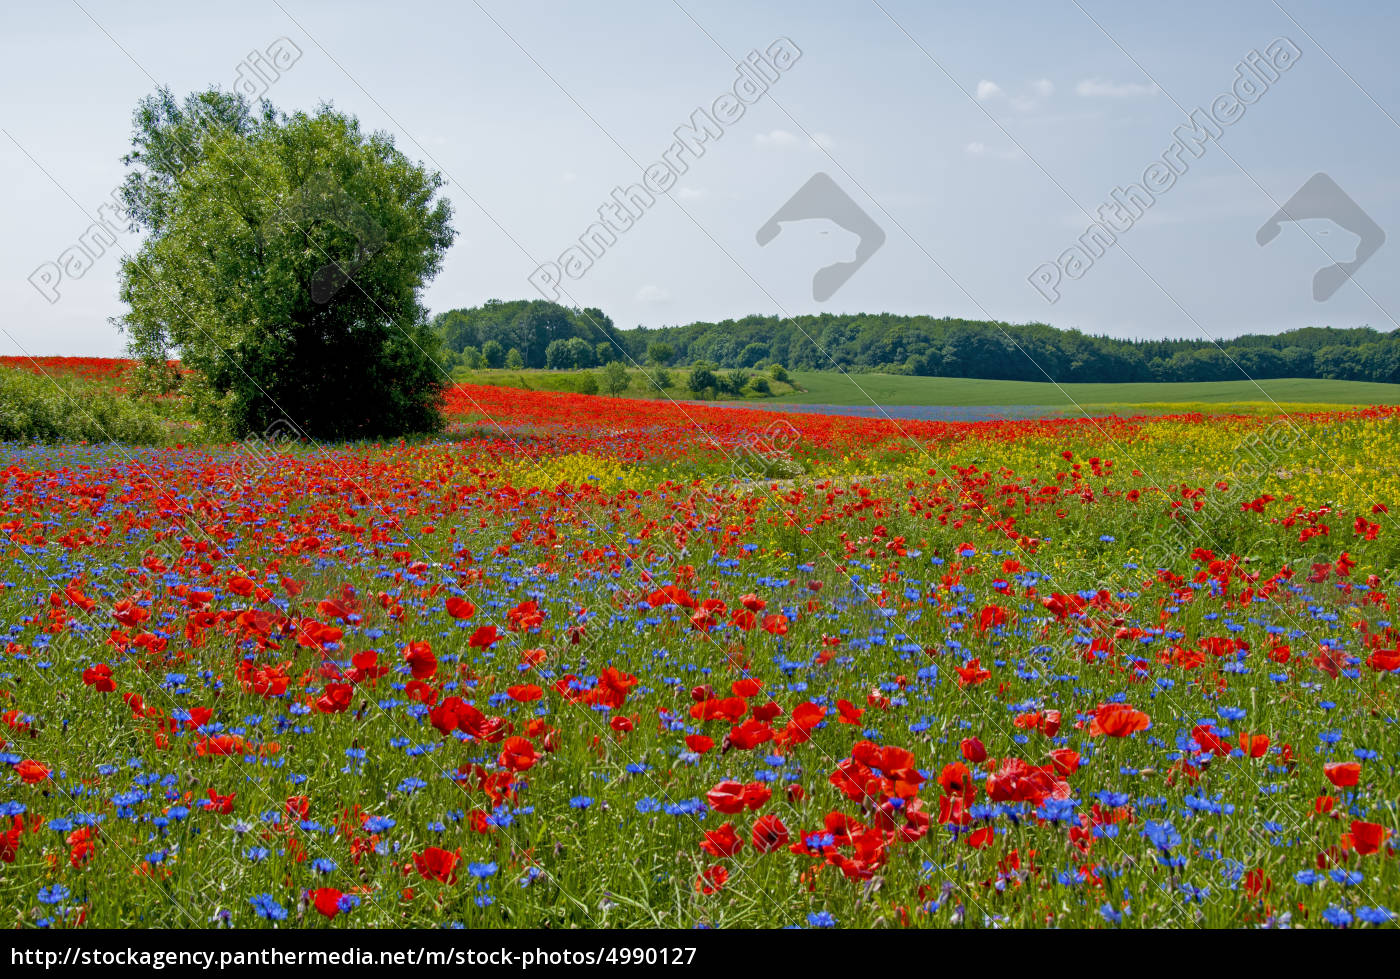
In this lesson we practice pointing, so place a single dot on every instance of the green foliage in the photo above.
(588, 383)
(530, 326)
(514, 360)
(660, 353)
(615, 378)
(929, 346)
(702, 379)
(494, 354)
(758, 384)
(33, 406)
(778, 372)
(283, 267)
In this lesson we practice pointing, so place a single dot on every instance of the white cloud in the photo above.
(782, 139)
(778, 138)
(1031, 94)
(981, 149)
(1098, 88)
(652, 294)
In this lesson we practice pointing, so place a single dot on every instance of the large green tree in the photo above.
(284, 263)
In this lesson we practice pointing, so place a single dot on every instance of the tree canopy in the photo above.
(935, 346)
(283, 267)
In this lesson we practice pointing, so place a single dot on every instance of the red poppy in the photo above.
(1365, 838)
(1118, 721)
(221, 804)
(460, 608)
(699, 743)
(484, 637)
(722, 842)
(100, 678)
(518, 755)
(438, 864)
(973, 750)
(1343, 774)
(327, 900)
(712, 880)
(746, 688)
(769, 834)
(32, 772)
(524, 692)
(1254, 745)
(420, 659)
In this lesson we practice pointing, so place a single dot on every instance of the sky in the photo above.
(966, 148)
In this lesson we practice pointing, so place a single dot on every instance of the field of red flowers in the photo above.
(592, 662)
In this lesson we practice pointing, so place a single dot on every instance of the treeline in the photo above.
(919, 345)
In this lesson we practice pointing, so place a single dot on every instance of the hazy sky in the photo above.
(981, 138)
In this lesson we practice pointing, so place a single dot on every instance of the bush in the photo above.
(35, 407)
(702, 379)
(758, 384)
(588, 384)
(778, 373)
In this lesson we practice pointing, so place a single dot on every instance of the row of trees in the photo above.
(932, 346)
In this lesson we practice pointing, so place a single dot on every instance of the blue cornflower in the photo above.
(267, 907)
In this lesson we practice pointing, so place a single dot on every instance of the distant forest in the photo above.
(541, 334)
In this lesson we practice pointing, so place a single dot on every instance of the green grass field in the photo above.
(829, 387)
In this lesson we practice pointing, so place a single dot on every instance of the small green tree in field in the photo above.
(283, 264)
(616, 378)
(515, 360)
(702, 379)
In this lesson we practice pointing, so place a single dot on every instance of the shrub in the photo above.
(33, 406)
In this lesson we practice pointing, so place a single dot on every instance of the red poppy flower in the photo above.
(1343, 774)
(221, 804)
(420, 659)
(973, 750)
(746, 688)
(438, 864)
(1365, 838)
(460, 608)
(484, 637)
(518, 755)
(525, 692)
(769, 834)
(712, 880)
(100, 678)
(722, 842)
(699, 743)
(1118, 721)
(1254, 745)
(327, 900)
(32, 772)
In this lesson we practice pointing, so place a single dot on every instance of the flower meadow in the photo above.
(601, 663)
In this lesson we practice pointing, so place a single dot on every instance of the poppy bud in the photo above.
(973, 750)
(702, 692)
